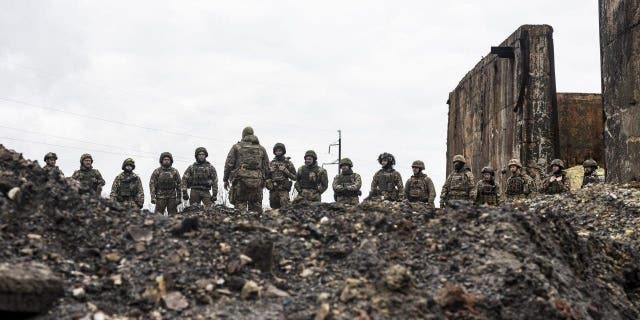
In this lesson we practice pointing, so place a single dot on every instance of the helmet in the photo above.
(418, 164)
(50, 155)
(514, 162)
(312, 154)
(200, 149)
(391, 160)
(346, 161)
(280, 146)
(532, 164)
(459, 158)
(247, 131)
(164, 155)
(542, 163)
(557, 162)
(590, 163)
(85, 156)
(129, 162)
(488, 169)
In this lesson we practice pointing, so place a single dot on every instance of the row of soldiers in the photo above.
(248, 170)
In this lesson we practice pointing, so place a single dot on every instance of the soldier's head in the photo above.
(86, 161)
(386, 160)
(532, 168)
(310, 157)
(458, 162)
(589, 166)
(201, 154)
(50, 159)
(128, 165)
(514, 166)
(247, 131)
(417, 166)
(166, 159)
(279, 149)
(557, 165)
(345, 165)
(488, 173)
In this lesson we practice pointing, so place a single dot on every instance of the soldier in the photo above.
(90, 179)
(487, 190)
(246, 168)
(347, 184)
(311, 180)
(519, 185)
(590, 175)
(50, 166)
(127, 186)
(164, 186)
(387, 182)
(542, 166)
(279, 175)
(558, 181)
(459, 183)
(201, 177)
(535, 173)
(419, 187)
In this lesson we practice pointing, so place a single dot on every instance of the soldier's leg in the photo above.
(255, 201)
(205, 197)
(193, 197)
(284, 198)
(172, 206)
(240, 197)
(161, 205)
(274, 199)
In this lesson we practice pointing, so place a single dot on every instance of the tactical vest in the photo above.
(166, 181)
(278, 175)
(418, 188)
(488, 194)
(590, 179)
(87, 179)
(515, 185)
(310, 177)
(386, 181)
(201, 176)
(556, 186)
(459, 183)
(250, 156)
(128, 186)
(347, 179)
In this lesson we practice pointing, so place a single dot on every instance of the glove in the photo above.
(269, 184)
(226, 185)
(185, 195)
(153, 200)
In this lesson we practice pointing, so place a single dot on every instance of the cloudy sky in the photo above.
(125, 79)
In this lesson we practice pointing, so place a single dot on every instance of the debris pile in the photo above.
(378, 260)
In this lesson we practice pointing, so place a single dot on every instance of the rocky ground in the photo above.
(549, 258)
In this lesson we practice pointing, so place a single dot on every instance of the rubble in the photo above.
(549, 258)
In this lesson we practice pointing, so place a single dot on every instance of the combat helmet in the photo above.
(166, 154)
(557, 162)
(312, 154)
(514, 162)
(280, 146)
(590, 163)
(418, 164)
(488, 169)
(50, 155)
(459, 158)
(247, 131)
(391, 160)
(129, 161)
(346, 161)
(198, 150)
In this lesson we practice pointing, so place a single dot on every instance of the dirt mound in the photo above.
(375, 261)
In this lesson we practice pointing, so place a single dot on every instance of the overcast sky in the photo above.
(297, 71)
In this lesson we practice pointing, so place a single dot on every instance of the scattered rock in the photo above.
(250, 290)
(175, 301)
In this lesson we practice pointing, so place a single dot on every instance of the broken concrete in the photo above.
(620, 59)
(580, 126)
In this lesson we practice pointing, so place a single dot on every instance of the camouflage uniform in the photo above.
(164, 187)
(593, 177)
(387, 182)
(311, 181)
(459, 183)
(53, 171)
(535, 173)
(519, 185)
(90, 179)
(202, 179)
(246, 167)
(127, 187)
(279, 175)
(561, 184)
(347, 184)
(487, 192)
(419, 188)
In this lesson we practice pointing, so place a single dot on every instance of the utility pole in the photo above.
(339, 145)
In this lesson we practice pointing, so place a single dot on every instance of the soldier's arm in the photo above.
(474, 192)
(152, 184)
(178, 180)
(265, 161)
(471, 179)
(114, 188)
(399, 185)
(499, 195)
(99, 179)
(357, 184)
(445, 191)
(229, 164)
(297, 184)
(291, 171)
(336, 186)
(374, 185)
(186, 177)
(75, 175)
(406, 189)
(432, 190)
(545, 185)
(324, 181)
(140, 195)
(214, 182)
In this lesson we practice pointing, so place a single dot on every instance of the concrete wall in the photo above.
(506, 107)
(580, 126)
(620, 59)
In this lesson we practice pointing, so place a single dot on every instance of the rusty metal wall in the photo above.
(620, 66)
(506, 107)
(580, 125)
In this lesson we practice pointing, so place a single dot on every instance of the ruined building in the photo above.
(620, 59)
(507, 107)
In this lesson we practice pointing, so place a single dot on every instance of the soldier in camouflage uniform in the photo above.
(90, 179)
(387, 182)
(487, 190)
(590, 175)
(50, 166)
(202, 178)
(164, 186)
(534, 172)
(459, 183)
(419, 187)
(519, 185)
(311, 179)
(347, 184)
(246, 169)
(279, 175)
(127, 186)
(558, 181)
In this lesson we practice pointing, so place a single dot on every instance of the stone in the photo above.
(273, 291)
(28, 287)
(322, 312)
(140, 234)
(250, 290)
(175, 301)
(397, 278)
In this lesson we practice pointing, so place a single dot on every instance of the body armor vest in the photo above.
(459, 183)
(385, 181)
(488, 194)
(515, 185)
(556, 186)
(201, 176)
(347, 179)
(87, 179)
(279, 176)
(592, 178)
(310, 177)
(418, 187)
(128, 186)
(166, 181)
